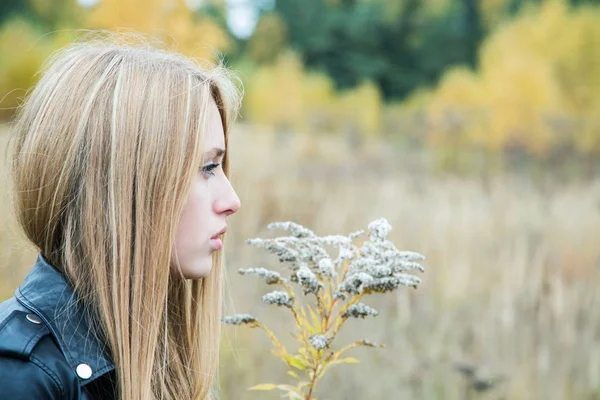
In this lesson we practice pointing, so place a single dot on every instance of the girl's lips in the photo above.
(217, 244)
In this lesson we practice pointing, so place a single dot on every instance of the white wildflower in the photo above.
(336, 241)
(408, 280)
(310, 249)
(356, 234)
(339, 295)
(292, 249)
(276, 247)
(411, 255)
(319, 342)
(381, 285)
(372, 249)
(353, 284)
(295, 229)
(278, 298)
(359, 310)
(379, 229)
(270, 277)
(378, 271)
(381, 259)
(399, 265)
(367, 342)
(305, 277)
(326, 267)
(238, 319)
(370, 266)
(376, 266)
(346, 253)
(358, 265)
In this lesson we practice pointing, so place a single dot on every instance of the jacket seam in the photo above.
(7, 319)
(42, 332)
(64, 349)
(37, 361)
(100, 373)
(31, 307)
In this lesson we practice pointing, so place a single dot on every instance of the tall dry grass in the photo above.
(510, 288)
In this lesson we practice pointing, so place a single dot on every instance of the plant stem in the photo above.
(295, 302)
(313, 380)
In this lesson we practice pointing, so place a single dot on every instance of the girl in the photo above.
(121, 181)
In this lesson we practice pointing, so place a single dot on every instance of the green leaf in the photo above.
(315, 319)
(292, 373)
(347, 360)
(263, 386)
(294, 362)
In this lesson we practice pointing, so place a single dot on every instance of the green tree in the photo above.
(399, 45)
(8, 8)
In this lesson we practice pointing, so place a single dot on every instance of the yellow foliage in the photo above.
(268, 39)
(284, 95)
(275, 93)
(263, 386)
(319, 96)
(361, 109)
(58, 12)
(454, 108)
(23, 50)
(169, 20)
(541, 68)
(143, 15)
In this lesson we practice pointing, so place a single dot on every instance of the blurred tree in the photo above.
(144, 15)
(537, 88)
(193, 33)
(359, 112)
(342, 38)
(275, 94)
(9, 8)
(56, 14)
(268, 39)
(473, 33)
(423, 42)
(23, 49)
(400, 45)
(582, 2)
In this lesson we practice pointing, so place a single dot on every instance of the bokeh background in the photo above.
(473, 126)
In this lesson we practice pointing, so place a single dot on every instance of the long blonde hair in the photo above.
(105, 149)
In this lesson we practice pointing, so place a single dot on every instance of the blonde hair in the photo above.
(106, 147)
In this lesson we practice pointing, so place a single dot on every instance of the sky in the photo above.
(241, 15)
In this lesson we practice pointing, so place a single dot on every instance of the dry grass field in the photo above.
(510, 289)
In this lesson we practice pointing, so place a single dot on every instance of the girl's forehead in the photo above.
(214, 137)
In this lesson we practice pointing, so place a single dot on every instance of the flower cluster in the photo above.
(373, 265)
(278, 298)
(270, 277)
(239, 319)
(319, 342)
(376, 266)
(307, 279)
(359, 310)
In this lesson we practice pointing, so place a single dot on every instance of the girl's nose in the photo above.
(229, 204)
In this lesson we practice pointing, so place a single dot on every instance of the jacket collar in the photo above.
(46, 292)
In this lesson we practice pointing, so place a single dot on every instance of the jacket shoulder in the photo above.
(32, 379)
(19, 334)
(31, 365)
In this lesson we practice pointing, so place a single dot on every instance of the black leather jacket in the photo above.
(46, 351)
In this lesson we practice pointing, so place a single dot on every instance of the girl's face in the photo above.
(211, 200)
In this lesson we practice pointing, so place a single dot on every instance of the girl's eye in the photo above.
(207, 170)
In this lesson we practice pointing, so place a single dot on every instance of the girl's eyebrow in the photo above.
(213, 153)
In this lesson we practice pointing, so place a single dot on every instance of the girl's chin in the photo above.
(198, 270)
